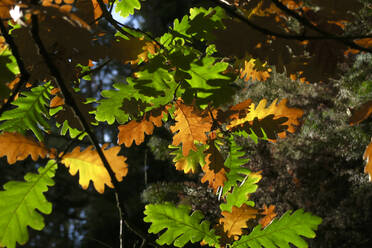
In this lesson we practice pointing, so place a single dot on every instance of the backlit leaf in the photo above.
(240, 194)
(127, 7)
(278, 112)
(235, 162)
(21, 204)
(91, 168)
(18, 147)
(191, 126)
(367, 156)
(191, 162)
(30, 113)
(234, 222)
(288, 229)
(181, 227)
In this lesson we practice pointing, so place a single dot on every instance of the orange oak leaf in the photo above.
(191, 126)
(234, 112)
(215, 179)
(367, 42)
(136, 130)
(18, 147)
(367, 156)
(269, 215)
(278, 110)
(360, 113)
(251, 71)
(234, 222)
(90, 166)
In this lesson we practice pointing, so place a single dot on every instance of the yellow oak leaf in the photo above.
(251, 72)
(90, 166)
(278, 110)
(361, 113)
(269, 215)
(191, 126)
(234, 222)
(136, 130)
(368, 157)
(18, 147)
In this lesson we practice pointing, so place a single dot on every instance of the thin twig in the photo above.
(24, 73)
(69, 100)
(94, 70)
(142, 32)
(107, 15)
(231, 9)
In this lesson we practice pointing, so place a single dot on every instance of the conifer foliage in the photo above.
(184, 80)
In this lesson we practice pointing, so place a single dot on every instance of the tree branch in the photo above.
(24, 73)
(344, 39)
(232, 10)
(69, 100)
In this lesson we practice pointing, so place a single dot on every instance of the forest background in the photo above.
(319, 168)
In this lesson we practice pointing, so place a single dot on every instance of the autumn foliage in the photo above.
(184, 81)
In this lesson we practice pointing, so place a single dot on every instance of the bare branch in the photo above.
(232, 10)
(24, 73)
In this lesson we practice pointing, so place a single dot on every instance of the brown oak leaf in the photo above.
(191, 126)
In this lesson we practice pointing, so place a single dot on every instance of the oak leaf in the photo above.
(136, 130)
(279, 110)
(192, 127)
(191, 162)
(361, 113)
(215, 179)
(234, 222)
(90, 166)
(251, 71)
(18, 147)
(269, 215)
(368, 157)
(214, 158)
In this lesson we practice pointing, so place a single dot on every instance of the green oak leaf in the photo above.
(30, 113)
(127, 7)
(181, 227)
(20, 204)
(288, 229)
(240, 194)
